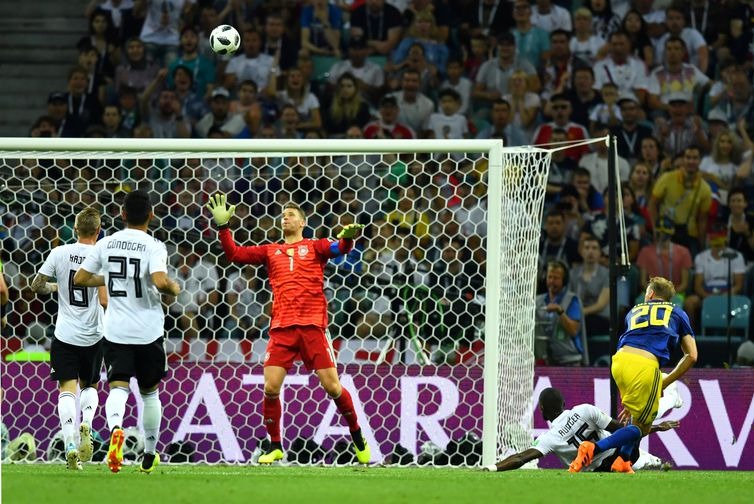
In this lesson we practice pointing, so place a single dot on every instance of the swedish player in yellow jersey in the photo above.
(654, 328)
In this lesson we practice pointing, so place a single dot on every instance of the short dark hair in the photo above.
(555, 213)
(552, 403)
(449, 92)
(295, 206)
(137, 208)
(737, 190)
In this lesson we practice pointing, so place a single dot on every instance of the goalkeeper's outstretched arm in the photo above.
(515, 461)
(221, 215)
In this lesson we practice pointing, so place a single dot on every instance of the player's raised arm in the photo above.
(345, 241)
(221, 215)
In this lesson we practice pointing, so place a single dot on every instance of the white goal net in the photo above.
(431, 315)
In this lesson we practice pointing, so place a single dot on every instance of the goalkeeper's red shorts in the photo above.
(310, 342)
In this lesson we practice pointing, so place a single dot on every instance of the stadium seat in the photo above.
(715, 316)
(322, 67)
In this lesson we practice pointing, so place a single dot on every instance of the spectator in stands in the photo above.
(347, 108)
(408, 216)
(321, 24)
(193, 106)
(596, 224)
(471, 214)
(719, 168)
(436, 53)
(199, 295)
(554, 244)
(604, 20)
(448, 123)
(44, 127)
(585, 45)
(474, 57)
(161, 29)
(738, 102)
(696, 46)
(165, 119)
(253, 64)
(277, 43)
(590, 281)
(558, 320)
(493, 79)
(711, 274)
(220, 116)
(622, 69)
(249, 304)
(128, 103)
(459, 83)
(561, 169)
(136, 72)
(711, 19)
(96, 79)
(641, 181)
(533, 43)
(525, 104)
(653, 156)
(501, 127)
(630, 132)
(126, 22)
(636, 28)
(582, 96)
(57, 109)
(380, 23)
(590, 199)
(558, 67)
(249, 107)
(608, 112)
(740, 224)
(551, 17)
(654, 17)
(414, 107)
(560, 106)
(82, 108)
(103, 39)
(111, 122)
(674, 76)
(486, 18)
(201, 68)
(681, 199)
(289, 123)
(683, 128)
(387, 125)
(297, 93)
(596, 162)
(369, 75)
(666, 259)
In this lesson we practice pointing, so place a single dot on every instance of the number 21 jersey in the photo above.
(127, 259)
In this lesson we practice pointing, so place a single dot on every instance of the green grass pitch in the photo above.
(45, 483)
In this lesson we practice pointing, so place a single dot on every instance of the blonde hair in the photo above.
(88, 222)
(346, 109)
(662, 287)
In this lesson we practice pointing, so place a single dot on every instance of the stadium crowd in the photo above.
(672, 81)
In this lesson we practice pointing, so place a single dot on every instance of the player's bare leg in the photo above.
(272, 411)
(328, 377)
(67, 414)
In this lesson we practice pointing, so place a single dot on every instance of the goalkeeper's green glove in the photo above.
(349, 231)
(221, 213)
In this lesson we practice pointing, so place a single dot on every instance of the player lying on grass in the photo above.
(299, 314)
(76, 349)
(568, 428)
(654, 329)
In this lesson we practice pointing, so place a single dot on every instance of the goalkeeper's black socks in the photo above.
(358, 439)
(275, 445)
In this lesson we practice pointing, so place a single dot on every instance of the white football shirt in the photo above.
(134, 310)
(79, 320)
(582, 423)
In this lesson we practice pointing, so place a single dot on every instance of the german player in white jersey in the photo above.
(133, 265)
(568, 428)
(76, 349)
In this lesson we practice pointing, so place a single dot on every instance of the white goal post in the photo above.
(512, 181)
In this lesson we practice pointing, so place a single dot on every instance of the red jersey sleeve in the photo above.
(256, 254)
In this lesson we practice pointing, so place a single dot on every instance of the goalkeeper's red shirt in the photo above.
(296, 272)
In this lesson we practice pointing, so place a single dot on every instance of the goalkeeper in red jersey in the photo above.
(299, 313)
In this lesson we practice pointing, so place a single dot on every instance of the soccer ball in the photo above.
(224, 39)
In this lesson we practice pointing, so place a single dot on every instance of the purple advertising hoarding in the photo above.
(217, 407)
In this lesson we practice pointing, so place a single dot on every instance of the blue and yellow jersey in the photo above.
(655, 326)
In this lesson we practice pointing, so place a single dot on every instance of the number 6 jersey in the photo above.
(127, 259)
(79, 320)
